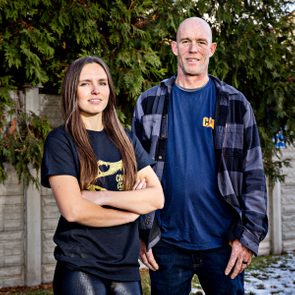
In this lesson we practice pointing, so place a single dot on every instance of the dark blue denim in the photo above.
(177, 267)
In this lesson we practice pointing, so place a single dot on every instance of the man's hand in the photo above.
(240, 258)
(147, 257)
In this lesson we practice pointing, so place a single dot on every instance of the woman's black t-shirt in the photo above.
(108, 252)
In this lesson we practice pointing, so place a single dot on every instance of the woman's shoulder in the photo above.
(133, 138)
(59, 134)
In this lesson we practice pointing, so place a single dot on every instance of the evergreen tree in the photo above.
(38, 39)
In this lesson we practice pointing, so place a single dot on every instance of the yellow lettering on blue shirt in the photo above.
(208, 122)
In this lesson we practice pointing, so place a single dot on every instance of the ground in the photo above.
(277, 278)
(267, 275)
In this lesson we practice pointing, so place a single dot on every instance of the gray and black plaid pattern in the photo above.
(241, 178)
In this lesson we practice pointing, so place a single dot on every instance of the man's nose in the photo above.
(194, 47)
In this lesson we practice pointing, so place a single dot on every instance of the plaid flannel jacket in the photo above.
(241, 179)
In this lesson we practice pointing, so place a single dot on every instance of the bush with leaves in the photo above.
(21, 142)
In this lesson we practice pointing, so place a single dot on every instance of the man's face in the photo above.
(193, 48)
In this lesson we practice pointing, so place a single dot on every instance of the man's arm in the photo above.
(254, 194)
(253, 199)
(137, 126)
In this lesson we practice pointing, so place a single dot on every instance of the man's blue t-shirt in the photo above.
(194, 216)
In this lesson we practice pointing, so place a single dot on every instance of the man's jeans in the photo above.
(177, 267)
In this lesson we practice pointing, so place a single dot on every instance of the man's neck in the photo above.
(191, 82)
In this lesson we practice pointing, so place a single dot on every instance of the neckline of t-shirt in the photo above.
(192, 89)
(96, 131)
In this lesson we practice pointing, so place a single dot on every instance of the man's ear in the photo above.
(174, 47)
(213, 48)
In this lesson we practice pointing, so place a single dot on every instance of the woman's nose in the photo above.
(95, 89)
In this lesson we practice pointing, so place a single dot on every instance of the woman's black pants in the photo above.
(68, 282)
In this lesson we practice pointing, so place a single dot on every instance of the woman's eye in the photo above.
(104, 83)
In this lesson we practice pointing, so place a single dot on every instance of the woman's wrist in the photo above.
(94, 197)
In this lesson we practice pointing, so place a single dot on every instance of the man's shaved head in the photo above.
(192, 22)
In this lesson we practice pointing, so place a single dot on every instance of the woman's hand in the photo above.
(98, 199)
(140, 184)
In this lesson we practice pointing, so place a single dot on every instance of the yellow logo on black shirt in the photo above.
(106, 169)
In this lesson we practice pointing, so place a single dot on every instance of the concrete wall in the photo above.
(50, 215)
(288, 203)
(12, 232)
(28, 217)
(50, 105)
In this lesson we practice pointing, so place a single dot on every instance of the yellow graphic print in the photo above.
(107, 169)
(208, 122)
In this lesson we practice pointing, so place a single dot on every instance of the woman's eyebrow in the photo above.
(89, 80)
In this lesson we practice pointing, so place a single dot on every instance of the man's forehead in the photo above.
(194, 29)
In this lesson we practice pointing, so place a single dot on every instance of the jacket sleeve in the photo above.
(254, 195)
(146, 220)
(137, 125)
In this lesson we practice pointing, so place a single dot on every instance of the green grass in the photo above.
(145, 282)
(258, 263)
(38, 290)
(262, 262)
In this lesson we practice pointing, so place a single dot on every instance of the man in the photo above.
(209, 160)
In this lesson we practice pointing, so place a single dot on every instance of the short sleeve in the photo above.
(60, 156)
(142, 157)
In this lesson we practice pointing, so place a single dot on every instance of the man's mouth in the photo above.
(192, 59)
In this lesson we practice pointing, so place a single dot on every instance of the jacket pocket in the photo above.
(151, 125)
(233, 136)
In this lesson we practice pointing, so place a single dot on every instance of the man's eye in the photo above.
(202, 43)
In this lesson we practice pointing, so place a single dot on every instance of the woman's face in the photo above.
(93, 93)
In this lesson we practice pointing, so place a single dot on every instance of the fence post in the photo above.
(276, 219)
(33, 274)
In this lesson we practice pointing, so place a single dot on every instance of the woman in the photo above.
(102, 181)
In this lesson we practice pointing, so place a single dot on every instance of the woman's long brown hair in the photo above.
(74, 125)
